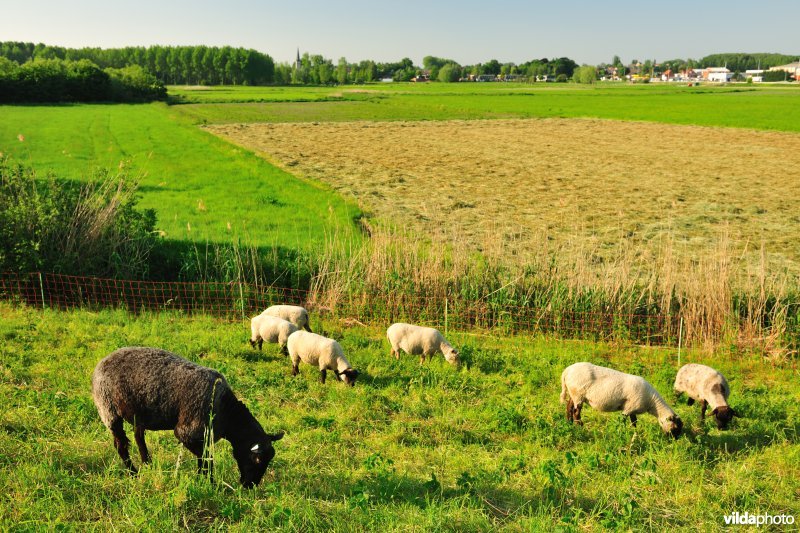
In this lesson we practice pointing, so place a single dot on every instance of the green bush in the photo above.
(133, 83)
(59, 226)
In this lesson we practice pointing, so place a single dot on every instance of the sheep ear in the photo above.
(276, 436)
(715, 411)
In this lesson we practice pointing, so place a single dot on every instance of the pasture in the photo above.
(203, 189)
(483, 447)
(768, 107)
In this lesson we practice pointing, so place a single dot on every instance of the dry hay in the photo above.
(512, 186)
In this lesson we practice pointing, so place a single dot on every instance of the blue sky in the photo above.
(467, 31)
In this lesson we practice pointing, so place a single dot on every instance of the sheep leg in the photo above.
(577, 413)
(422, 359)
(260, 343)
(295, 369)
(703, 407)
(285, 350)
(323, 373)
(570, 407)
(205, 465)
(121, 443)
(633, 420)
(138, 433)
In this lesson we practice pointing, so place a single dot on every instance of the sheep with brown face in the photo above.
(266, 328)
(709, 387)
(420, 340)
(605, 389)
(154, 389)
(322, 352)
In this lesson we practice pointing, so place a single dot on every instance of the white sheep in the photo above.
(266, 328)
(419, 340)
(607, 390)
(320, 351)
(706, 385)
(295, 314)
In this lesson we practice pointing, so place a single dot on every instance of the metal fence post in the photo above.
(680, 338)
(41, 288)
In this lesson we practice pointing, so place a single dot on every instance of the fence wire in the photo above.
(237, 301)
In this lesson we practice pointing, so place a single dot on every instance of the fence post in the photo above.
(680, 338)
(445, 317)
(41, 288)
(241, 298)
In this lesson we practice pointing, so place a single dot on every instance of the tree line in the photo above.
(204, 65)
(187, 65)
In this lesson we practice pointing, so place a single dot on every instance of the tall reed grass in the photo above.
(715, 299)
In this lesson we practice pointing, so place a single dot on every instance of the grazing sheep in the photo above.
(610, 390)
(153, 389)
(419, 340)
(320, 351)
(709, 387)
(293, 313)
(270, 329)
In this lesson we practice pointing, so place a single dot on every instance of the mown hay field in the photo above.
(522, 187)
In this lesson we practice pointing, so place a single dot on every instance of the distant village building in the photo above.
(717, 74)
(298, 64)
(757, 75)
(792, 69)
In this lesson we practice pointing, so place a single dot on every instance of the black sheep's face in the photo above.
(723, 416)
(254, 460)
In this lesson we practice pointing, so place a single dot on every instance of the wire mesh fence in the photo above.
(237, 301)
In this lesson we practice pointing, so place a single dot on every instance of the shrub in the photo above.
(133, 83)
(60, 226)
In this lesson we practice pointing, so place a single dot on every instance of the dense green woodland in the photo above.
(201, 65)
(57, 80)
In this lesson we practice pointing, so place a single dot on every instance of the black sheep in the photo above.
(154, 389)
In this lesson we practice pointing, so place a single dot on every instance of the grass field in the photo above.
(203, 189)
(771, 107)
(485, 447)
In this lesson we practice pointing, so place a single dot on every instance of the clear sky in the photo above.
(468, 31)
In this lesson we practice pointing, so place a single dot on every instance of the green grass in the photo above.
(202, 188)
(408, 448)
(773, 107)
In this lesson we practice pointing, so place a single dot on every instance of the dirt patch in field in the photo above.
(512, 185)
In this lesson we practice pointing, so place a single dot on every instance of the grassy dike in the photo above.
(434, 448)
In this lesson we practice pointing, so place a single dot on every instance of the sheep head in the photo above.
(452, 356)
(672, 425)
(348, 376)
(254, 459)
(723, 416)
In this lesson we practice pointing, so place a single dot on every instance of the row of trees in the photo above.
(205, 65)
(57, 80)
(201, 65)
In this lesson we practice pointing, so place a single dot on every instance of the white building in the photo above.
(718, 74)
(757, 75)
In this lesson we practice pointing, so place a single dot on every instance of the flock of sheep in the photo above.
(153, 389)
